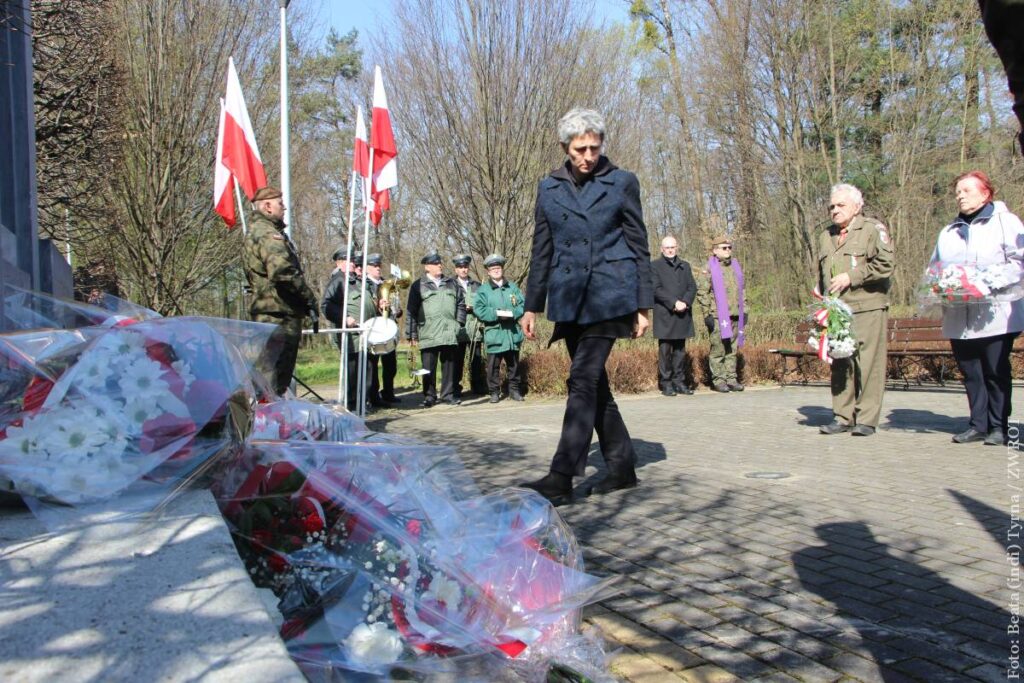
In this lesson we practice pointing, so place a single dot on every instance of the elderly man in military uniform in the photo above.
(388, 362)
(674, 292)
(333, 308)
(722, 298)
(855, 263)
(499, 306)
(280, 293)
(472, 333)
(435, 314)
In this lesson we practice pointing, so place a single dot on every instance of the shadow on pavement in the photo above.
(815, 416)
(924, 421)
(913, 621)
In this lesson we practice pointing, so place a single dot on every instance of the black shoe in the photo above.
(968, 436)
(391, 399)
(684, 390)
(862, 430)
(557, 488)
(454, 401)
(428, 402)
(610, 483)
(721, 388)
(735, 387)
(834, 427)
(995, 438)
(495, 397)
(668, 391)
(516, 396)
(378, 403)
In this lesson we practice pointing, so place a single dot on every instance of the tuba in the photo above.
(382, 331)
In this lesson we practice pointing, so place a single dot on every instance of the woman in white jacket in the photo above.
(984, 235)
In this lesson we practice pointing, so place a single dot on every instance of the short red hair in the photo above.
(982, 179)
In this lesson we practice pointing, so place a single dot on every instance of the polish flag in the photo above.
(240, 153)
(223, 182)
(361, 156)
(382, 142)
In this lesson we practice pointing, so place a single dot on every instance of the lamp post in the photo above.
(286, 180)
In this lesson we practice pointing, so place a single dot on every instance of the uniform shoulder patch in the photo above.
(277, 237)
(883, 233)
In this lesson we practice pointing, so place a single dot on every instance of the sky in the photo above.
(366, 16)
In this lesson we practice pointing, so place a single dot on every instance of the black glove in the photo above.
(709, 322)
(316, 320)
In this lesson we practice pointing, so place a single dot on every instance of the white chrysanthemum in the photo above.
(72, 437)
(27, 438)
(121, 343)
(184, 371)
(91, 371)
(444, 590)
(138, 410)
(143, 378)
(373, 645)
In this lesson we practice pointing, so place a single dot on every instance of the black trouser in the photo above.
(511, 359)
(591, 406)
(353, 373)
(476, 368)
(671, 354)
(428, 358)
(985, 364)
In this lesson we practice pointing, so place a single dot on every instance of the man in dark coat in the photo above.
(591, 264)
(674, 291)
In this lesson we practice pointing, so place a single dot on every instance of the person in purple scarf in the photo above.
(722, 300)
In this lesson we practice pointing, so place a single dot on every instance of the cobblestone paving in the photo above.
(873, 559)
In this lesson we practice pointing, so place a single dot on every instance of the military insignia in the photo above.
(513, 299)
(853, 261)
(883, 234)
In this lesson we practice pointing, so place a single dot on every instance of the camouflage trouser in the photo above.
(722, 359)
(278, 359)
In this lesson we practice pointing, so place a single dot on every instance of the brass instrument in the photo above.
(384, 293)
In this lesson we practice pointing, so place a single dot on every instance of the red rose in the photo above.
(161, 352)
(277, 563)
(36, 393)
(414, 528)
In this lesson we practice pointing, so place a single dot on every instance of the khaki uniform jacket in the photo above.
(867, 255)
(273, 271)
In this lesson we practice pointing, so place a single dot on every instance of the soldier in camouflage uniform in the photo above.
(855, 263)
(279, 290)
(471, 338)
(721, 296)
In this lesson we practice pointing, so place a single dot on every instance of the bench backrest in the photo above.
(907, 334)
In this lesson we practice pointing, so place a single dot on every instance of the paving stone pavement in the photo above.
(886, 558)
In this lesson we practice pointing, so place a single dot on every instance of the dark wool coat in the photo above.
(590, 259)
(672, 282)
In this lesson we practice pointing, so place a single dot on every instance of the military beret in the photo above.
(494, 260)
(462, 260)
(374, 259)
(431, 258)
(721, 239)
(266, 193)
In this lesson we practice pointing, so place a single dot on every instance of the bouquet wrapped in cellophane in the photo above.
(947, 284)
(832, 336)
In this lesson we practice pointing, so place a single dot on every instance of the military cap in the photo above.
(494, 260)
(266, 193)
(340, 255)
(462, 260)
(721, 239)
(431, 258)
(374, 259)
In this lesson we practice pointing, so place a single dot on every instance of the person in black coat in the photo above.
(591, 265)
(674, 291)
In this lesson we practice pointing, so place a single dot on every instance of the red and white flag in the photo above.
(240, 153)
(361, 157)
(382, 142)
(223, 182)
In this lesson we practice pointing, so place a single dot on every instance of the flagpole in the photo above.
(343, 378)
(362, 349)
(286, 180)
(241, 211)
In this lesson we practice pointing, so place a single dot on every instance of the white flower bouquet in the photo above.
(832, 335)
(950, 284)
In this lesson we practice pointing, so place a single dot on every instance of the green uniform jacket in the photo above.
(273, 271)
(867, 255)
(500, 334)
(436, 314)
(473, 327)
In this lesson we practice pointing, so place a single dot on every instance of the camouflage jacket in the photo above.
(273, 271)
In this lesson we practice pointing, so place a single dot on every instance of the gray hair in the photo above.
(849, 190)
(577, 122)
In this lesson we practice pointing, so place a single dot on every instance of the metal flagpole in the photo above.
(343, 378)
(286, 180)
(241, 211)
(367, 195)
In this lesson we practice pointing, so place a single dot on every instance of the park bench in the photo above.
(916, 348)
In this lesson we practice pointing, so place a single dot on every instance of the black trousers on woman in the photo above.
(985, 364)
(591, 406)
